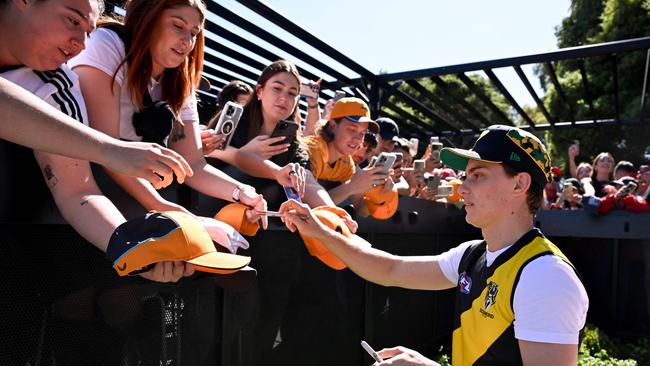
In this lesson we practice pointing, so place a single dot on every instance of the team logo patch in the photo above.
(534, 148)
(464, 283)
(491, 295)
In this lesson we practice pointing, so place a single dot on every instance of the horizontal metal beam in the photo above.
(232, 67)
(564, 125)
(255, 30)
(561, 54)
(281, 21)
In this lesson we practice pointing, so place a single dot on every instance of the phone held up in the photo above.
(385, 160)
(436, 146)
(309, 90)
(227, 123)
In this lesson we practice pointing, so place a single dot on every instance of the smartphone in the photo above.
(309, 90)
(436, 146)
(567, 190)
(338, 95)
(285, 128)
(419, 164)
(445, 190)
(228, 120)
(413, 149)
(398, 159)
(386, 160)
(372, 162)
(576, 143)
(375, 356)
(291, 193)
(630, 187)
(433, 182)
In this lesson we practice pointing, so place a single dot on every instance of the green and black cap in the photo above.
(508, 145)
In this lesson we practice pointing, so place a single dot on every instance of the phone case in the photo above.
(285, 128)
(309, 90)
(445, 190)
(386, 160)
(227, 123)
(291, 193)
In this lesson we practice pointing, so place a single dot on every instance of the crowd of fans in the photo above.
(599, 187)
(135, 79)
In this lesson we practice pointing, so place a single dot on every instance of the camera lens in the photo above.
(227, 127)
(230, 111)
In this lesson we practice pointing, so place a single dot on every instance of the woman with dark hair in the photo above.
(292, 285)
(253, 151)
(139, 79)
(235, 91)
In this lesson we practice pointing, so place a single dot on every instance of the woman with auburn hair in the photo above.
(139, 79)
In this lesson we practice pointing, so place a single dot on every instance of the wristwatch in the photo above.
(236, 193)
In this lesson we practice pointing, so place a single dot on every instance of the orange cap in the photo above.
(355, 110)
(454, 197)
(167, 236)
(381, 205)
(330, 217)
(234, 215)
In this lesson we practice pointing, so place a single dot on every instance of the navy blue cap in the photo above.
(387, 128)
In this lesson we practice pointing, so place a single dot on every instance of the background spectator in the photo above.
(601, 176)
(387, 131)
(624, 168)
(643, 189)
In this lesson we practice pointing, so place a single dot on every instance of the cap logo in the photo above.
(534, 148)
(122, 267)
(514, 156)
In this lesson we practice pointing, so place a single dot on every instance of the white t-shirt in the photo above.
(105, 51)
(545, 283)
(59, 88)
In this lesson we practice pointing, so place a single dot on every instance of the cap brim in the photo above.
(238, 281)
(216, 262)
(458, 158)
(372, 125)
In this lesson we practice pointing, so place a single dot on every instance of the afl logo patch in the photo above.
(464, 283)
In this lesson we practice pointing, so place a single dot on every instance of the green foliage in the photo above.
(444, 360)
(596, 21)
(599, 349)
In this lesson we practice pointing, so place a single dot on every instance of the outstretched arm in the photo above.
(417, 272)
(31, 122)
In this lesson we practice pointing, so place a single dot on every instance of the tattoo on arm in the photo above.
(50, 178)
(178, 132)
